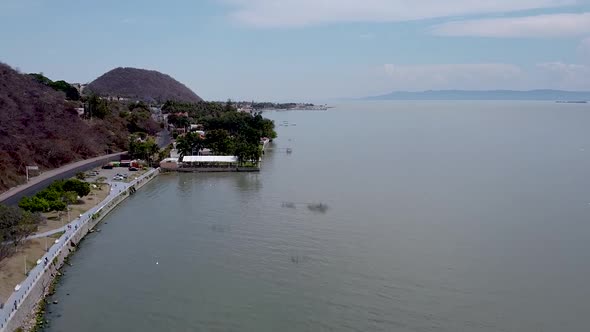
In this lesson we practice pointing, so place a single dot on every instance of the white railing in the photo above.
(10, 307)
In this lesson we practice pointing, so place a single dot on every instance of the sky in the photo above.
(306, 50)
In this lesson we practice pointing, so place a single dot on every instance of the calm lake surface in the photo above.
(443, 216)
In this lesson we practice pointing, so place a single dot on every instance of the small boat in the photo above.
(318, 207)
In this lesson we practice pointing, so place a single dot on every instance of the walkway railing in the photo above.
(11, 306)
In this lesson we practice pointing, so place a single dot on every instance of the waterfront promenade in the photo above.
(46, 264)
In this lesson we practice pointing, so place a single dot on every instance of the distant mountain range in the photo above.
(553, 95)
(141, 84)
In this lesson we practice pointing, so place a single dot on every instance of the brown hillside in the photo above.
(141, 84)
(38, 127)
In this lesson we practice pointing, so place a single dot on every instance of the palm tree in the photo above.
(183, 147)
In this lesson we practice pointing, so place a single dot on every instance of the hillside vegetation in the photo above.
(70, 91)
(38, 126)
(141, 84)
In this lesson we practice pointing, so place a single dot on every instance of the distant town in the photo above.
(244, 106)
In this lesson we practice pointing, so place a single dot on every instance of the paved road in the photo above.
(38, 183)
(164, 138)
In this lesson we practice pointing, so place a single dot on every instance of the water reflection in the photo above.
(248, 182)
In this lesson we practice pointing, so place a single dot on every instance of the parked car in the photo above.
(117, 178)
(107, 167)
(133, 169)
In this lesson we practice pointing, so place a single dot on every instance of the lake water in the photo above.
(443, 216)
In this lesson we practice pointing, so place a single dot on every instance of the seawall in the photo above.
(40, 277)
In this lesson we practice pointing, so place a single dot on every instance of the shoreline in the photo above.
(22, 308)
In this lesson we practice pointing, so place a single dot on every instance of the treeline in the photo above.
(269, 105)
(71, 92)
(136, 116)
(56, 197)
(143, 147)
(197, 110)
(227, 131)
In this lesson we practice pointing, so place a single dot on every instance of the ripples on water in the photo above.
(442, 217)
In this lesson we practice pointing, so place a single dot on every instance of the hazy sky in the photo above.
(306, 49)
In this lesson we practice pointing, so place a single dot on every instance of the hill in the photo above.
(70, 91)
(551, 95)
(141, 84)
(38, 126)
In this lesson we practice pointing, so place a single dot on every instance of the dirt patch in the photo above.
(59, 219)
(12, 269)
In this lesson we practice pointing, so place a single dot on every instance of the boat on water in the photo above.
(318, 207)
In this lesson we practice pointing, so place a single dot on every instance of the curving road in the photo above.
(38, 183)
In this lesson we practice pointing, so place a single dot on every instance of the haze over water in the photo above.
(443, 216)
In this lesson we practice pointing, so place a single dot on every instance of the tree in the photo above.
(15, 225)
(140, 105)
(34, 204)
(179, 121)
(220, 142)
(229, 106)
(70, 197)
(190, 144)
(248, 152)
(70, 91)
(96, 107)
(81, 188)
(139, 148)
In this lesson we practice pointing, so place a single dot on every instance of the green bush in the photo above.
(80, 187)
(56, 196)
(34, 204)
